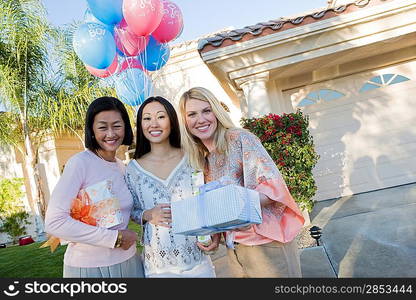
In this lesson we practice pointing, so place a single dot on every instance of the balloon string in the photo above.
(127, 60)
(137, 93)
(142, 58)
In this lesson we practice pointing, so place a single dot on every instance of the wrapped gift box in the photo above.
(105, 206)
(216, 210)
(94, 205)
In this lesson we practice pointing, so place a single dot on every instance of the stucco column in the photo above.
(243, 103)
(256, 94)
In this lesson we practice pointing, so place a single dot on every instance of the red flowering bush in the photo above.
(289, 143)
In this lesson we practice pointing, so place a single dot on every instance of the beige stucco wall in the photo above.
(48, 167)
(9, 167)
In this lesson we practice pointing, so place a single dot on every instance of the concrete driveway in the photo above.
(371, 234)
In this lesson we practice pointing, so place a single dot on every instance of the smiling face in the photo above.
(201, 120)
(109, 131)
(155, 123)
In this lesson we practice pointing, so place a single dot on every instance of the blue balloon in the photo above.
(90, 18)
(155, 55)
(94, 45)
(107, 11)
(133, 86)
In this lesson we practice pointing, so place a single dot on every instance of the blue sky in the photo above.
(201, 16)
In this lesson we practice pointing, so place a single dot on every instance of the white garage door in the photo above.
(364, 129)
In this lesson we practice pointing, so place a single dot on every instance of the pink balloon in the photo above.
(171, 24)
(103, 73)
(142, 16)
(131, 63)
(127, 42)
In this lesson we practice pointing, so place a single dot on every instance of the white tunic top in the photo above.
(166, 254)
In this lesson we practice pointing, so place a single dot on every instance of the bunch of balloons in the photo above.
(126, 40)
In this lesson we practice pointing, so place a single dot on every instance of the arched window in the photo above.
(382, 81)
(320, 96)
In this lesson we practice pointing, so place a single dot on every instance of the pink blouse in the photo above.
(90, 246)
(248, 164)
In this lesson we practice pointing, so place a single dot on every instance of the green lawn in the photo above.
(30, 261)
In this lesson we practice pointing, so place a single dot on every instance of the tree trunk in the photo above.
(34, 182)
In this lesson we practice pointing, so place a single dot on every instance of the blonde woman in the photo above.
(214, 144)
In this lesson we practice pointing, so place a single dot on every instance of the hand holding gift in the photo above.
(210, 246)
(159, 215)
(217, 208)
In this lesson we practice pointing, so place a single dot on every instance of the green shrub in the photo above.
(289, 143)
(15, 225)
(13, 218)
(11, 194)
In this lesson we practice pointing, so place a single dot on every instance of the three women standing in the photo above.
(160, 173)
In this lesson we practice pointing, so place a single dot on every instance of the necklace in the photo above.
(99, 155)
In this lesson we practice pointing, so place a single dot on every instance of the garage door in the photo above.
(364, 129)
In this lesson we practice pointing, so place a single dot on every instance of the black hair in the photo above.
(142, 143)
(106, 104)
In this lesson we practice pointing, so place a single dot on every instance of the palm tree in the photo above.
(23, 61)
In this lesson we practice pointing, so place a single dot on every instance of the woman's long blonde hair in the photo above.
(191, 144)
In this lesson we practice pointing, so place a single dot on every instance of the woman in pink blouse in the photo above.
(96, 251)
(216, 146)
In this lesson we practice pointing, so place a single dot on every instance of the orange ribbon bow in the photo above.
(81, 210)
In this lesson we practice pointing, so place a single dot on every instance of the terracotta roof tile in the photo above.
(265, 28)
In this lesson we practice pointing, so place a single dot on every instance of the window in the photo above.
(382, 81)
(320, 96)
